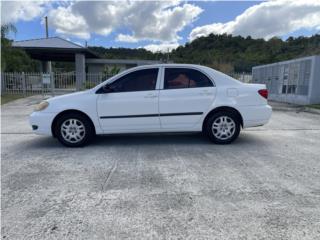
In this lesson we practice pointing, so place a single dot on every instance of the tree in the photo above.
(6, 29)
(12, 59)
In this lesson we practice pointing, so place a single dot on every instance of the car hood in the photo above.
(68, 96)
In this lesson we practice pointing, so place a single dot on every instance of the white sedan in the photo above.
(156, 98)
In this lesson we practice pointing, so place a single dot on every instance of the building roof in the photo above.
(122, 61)
(52, 42)
(53, 49)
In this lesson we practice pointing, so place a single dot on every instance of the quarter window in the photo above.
(140, 80)
(176, 78)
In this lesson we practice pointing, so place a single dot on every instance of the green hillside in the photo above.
(225, 52)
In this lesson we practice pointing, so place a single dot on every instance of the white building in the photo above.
(294, 81)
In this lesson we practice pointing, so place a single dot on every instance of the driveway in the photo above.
(264, 186)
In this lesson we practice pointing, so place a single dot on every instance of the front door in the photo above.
(185, 97)
(131, 103)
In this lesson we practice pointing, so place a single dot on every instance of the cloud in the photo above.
(126, 38)
(268, 19)
(164, 47)
(148, 20)
(67, 22)
(13, 11)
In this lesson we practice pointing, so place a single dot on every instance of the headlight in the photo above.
(41, 106)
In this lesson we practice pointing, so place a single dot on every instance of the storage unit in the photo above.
(295, 81)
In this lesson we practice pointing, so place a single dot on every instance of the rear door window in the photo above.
(176, 78)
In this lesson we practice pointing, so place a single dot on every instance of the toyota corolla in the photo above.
(156, 98)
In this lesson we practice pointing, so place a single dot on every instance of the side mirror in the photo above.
(107, 88)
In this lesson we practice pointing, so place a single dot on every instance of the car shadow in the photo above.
(151, 139)
(245, 139)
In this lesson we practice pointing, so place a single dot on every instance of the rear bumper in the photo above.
(41, 122)
(254, 116)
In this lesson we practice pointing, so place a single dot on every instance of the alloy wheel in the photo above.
(223, 127)
(73, 130)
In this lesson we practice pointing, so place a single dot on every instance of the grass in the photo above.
(5, 98)
(317, 106)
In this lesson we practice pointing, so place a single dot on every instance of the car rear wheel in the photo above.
(222, 127)
(74, 130)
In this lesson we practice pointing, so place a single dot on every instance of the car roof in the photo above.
(171, 65)
(218, 77)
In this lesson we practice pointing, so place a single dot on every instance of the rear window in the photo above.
(176, 78)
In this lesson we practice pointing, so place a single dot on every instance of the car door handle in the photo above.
(150, 95)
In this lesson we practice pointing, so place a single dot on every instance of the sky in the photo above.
(160, 25)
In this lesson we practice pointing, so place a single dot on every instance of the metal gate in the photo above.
(47, 83)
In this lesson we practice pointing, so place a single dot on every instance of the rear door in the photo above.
(131, 104)
(186, 95)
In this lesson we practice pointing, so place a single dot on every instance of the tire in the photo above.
(74, 130)
(222, 127)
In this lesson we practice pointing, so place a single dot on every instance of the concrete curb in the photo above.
(312, 110)
(288, 107)
(296, 109)
(276, 106)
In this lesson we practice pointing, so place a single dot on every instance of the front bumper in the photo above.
(41, 122)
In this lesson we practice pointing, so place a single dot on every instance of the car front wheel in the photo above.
(74, 130)
(222, 127)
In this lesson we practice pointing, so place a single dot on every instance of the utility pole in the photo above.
(47, 31)
(47, 67)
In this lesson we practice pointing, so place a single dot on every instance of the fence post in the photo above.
(2, 83)
(23, 78)
(52, 83)
(42, 85)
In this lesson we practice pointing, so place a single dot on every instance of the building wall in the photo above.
(315, 86)
(295, 81)
(95, 66)
(99, 68)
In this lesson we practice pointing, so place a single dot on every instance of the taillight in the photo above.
(263, 93)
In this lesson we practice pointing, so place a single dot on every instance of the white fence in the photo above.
(47, 83)
(59, 83)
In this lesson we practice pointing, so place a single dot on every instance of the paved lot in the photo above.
(264, 186)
